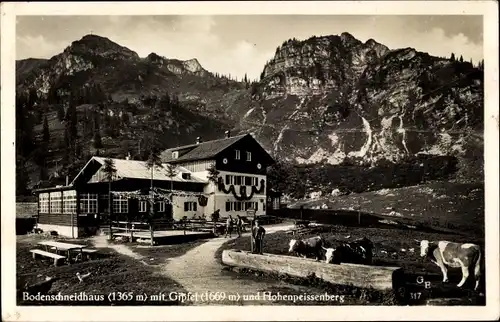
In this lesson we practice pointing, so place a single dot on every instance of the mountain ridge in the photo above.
(323, 100)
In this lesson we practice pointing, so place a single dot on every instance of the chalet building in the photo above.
(241, 163)
(81, 207)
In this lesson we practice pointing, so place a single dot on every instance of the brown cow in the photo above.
(444, 253)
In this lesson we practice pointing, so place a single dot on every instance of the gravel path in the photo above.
(102, 242)
(198, 271)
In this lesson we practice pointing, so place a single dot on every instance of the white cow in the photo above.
(444, 253)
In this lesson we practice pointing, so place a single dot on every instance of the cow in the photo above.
(305, 247)
(359, 251)
(445, 253)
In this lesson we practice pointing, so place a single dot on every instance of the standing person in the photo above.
(229, 226)
(215, 218)
(258, 233)
(239, 225)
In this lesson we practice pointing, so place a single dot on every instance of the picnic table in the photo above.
(65, 247)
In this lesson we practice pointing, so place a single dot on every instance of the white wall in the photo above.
(221, 198)
(61, 230)
(178, 208)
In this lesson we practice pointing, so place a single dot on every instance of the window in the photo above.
(44, 203)
(237, 156)
(241, 206)
(249, 156)
(120, 204)
(161, 206)
(186, 175)
(242, 180)
(175, 154)
(55, 202)
(251, 205)
(190, 206)
(69, 202)
(143, 206)
(88, 203)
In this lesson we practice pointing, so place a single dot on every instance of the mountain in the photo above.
(322, 101)
(334, 98)
(26, 66)
(122, 74)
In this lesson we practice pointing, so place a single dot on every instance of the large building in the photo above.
(81, 207)
(241, 162)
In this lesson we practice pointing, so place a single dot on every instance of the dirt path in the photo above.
(198, 271)
(102, 242)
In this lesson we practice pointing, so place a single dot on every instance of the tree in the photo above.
(60, 112)
(213, 176)
(461, 59)
(452, 58)
(46, 133)
(109, 171)
(97, 140)
(22, 177)
(153, 161)
(171, 172)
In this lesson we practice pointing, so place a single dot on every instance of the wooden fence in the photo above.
(327, 216)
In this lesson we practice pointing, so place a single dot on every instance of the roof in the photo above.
(135, 169)
(202, 150)
(55, 188)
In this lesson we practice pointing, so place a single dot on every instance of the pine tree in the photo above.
(22, 178)
(109, 171)
(171, 172)
(153, 161)
(461, 59)
(97, 140)
(452, 58)
(60, 112)
(213, 177)
(45, 131)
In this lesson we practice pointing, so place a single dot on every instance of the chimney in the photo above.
(67, 180)
(128, 156)
(198, 140)
(228, 134)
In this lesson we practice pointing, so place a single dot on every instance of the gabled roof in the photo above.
(135, 169)
(202, 150)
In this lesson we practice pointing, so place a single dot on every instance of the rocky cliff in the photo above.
(328, 99)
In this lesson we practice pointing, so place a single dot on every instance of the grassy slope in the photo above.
(396, 246)
(443, 205)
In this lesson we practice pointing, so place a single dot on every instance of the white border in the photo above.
(489, 9)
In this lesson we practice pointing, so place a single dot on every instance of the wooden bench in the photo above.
(88, 252)
(56, 257)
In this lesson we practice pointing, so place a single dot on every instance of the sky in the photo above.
(240, 45)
